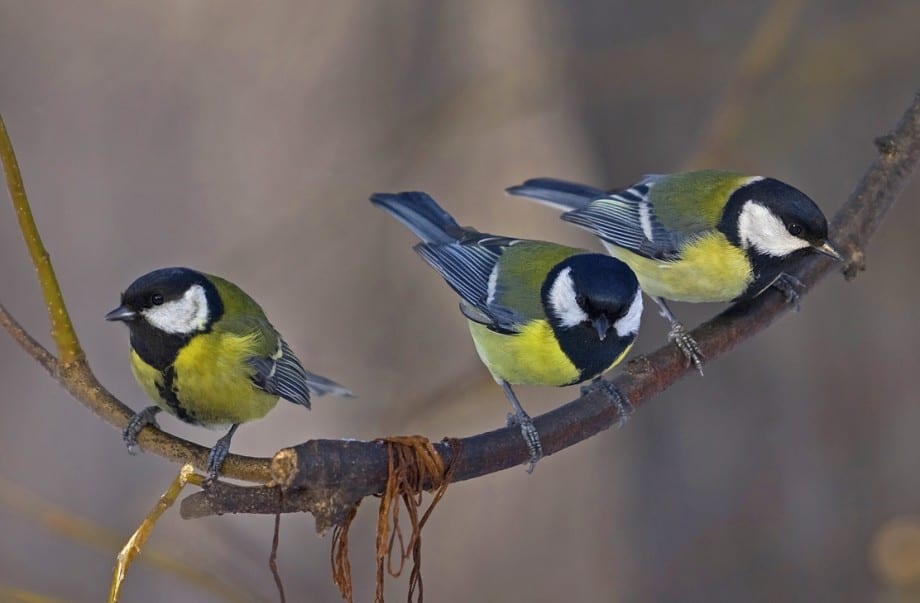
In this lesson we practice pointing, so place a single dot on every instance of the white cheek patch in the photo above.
(181, 316)
(759, 228)
(629, 324)
(562, 300)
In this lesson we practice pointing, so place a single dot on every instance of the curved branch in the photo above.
(70, 368)
(330, 476)
(326, 477)
(80, 382)
(34, 349)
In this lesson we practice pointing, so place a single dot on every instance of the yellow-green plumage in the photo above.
(213, 381)
(710, 269)
(522, 268)
(538, 313)
(704, 236)
(204, 351)
(213, 378)
(694, 201)
(531, 356)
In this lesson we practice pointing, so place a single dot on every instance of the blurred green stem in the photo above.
(68, 346)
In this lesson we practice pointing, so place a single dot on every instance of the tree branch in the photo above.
(331, 476)
(328, 477)
(27, 342)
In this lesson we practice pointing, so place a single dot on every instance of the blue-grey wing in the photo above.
(283, 375)
(627, 219)
(468, 266)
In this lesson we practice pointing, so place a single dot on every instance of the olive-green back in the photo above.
(522, 270)
(693, 201)
(242, 315)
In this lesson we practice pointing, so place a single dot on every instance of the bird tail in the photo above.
(320, 386)
(422, 215)
(561, 194)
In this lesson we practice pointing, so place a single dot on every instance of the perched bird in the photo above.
(539, 313)
(706, 236)
(204, 351)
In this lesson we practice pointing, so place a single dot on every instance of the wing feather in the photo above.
(467, 266)
(627, 218)
(283, 375)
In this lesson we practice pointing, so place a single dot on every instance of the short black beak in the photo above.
(122, 313)
(602, 325)
(829, 251)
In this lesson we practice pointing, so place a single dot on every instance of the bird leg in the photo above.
(523, 420)
(219, 452)
(790, 287)
(136, 424)
(681, 337)
(624, 408)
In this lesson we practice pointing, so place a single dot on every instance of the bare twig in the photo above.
(89, 534)
(26, 342)
(330, 476)
(65, 337)
(133, 547)
(273, 558)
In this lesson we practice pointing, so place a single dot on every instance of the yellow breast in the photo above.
(710, 269)
(212, 381)
(531, 357)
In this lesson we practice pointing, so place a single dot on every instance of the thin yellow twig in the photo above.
(81, 530)
(62, 330)
(133, 547)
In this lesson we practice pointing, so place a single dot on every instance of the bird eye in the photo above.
(157, 299)
(580, 300)
(794, 228)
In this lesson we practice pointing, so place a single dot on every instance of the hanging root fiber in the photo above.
(413, 466)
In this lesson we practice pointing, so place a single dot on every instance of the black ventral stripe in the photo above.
(168, 393)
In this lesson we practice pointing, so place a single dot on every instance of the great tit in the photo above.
(705, 236)
(539, 313)
(204, 352)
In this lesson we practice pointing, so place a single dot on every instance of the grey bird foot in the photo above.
(790, 287)
(688, 346)
(219, 452)
(531, 437)
(136, 424)
(216, 458)
(624, 408)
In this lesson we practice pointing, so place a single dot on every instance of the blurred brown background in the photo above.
(244, 139)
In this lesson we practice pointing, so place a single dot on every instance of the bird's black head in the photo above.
(176, 301)
(164, 309)
(593, 291)
(770, 218)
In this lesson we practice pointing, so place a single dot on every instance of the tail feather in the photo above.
(321, 386)
(560, 194)
(422, 215)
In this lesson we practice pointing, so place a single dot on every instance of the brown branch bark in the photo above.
(34, 349)
(78, 379)
(328, 477)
